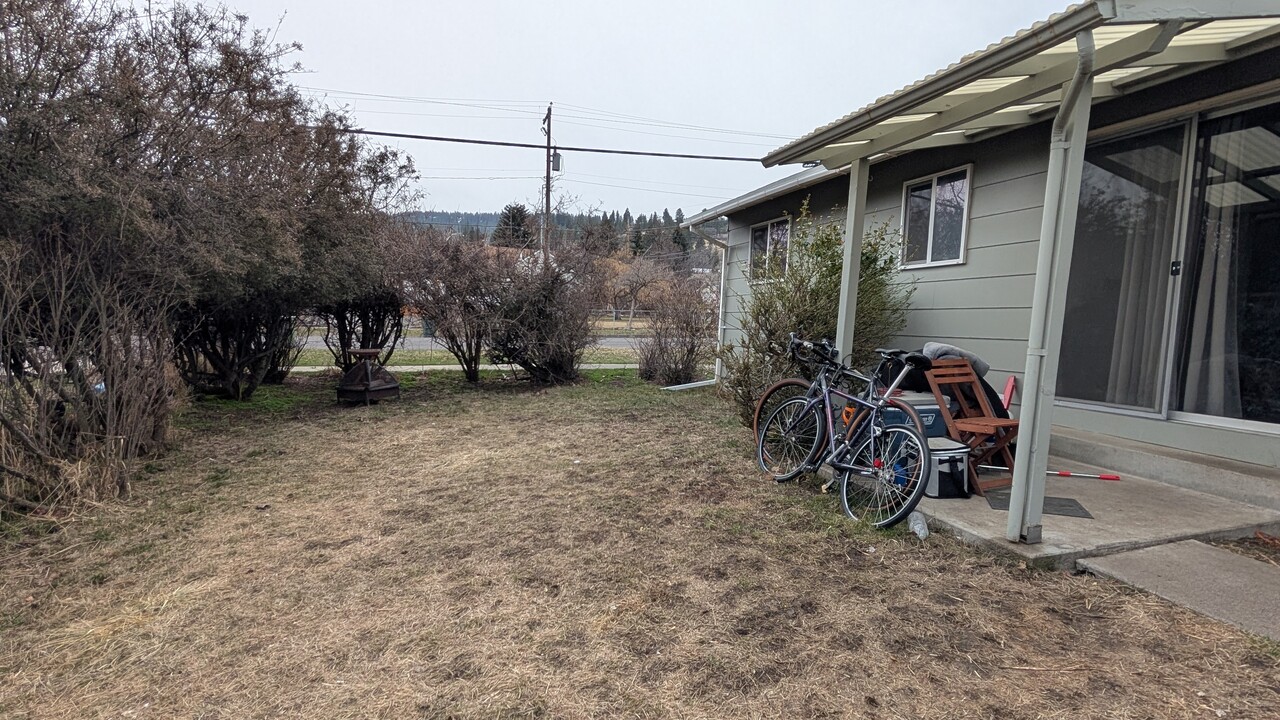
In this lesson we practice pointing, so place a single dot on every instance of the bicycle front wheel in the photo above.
(892, 469)
(790, 438)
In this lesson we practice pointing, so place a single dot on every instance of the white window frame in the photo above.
(933, 199)
(751, 246)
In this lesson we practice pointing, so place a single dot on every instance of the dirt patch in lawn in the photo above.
(1261, 546)
(601, 550)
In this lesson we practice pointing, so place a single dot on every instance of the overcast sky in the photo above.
(622, 75)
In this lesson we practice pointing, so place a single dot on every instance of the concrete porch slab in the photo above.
(1129, 514)
(1212, 581)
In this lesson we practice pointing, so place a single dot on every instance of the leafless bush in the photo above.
(683, 325)
(454, 284)
(285, 358)
(542, 317)
(374, 320)
(87, 385)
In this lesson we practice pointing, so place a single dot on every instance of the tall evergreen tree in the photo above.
(513, 227)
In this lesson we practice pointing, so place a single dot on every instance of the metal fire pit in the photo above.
(367, 382)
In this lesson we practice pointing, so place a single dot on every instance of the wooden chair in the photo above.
(973, 424)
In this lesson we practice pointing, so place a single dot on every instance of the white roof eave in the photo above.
(789, 184)
(835, 143)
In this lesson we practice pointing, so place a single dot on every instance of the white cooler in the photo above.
(950, 455)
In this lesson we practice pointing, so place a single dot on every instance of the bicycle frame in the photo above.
(821, 392)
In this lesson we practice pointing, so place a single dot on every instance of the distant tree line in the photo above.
(516, 225)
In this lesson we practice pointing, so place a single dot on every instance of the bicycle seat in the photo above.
(914, 359)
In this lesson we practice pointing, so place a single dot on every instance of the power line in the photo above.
(566, 122)
(472, 177)
(514, 106)
(499, 143)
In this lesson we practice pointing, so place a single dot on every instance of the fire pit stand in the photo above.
(367, 382)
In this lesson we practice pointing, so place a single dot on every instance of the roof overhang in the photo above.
(789, 184)
(1019, 81)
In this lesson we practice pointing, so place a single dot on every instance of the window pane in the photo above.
(915, 244)
(1231, 334)
(759, 247)
(1114, 324)
(779, 235)
(948, 215)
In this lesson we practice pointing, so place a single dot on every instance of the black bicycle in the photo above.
(882, 468)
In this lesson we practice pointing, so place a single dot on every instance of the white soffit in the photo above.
(1018, 81)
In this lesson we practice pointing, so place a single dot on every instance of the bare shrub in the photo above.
(230, 351)
(285, 358)
(542, 314)
(683, 325)
(453, 283)
(86, 386)
(374, 320)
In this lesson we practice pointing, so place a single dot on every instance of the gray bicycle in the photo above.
(882, 468)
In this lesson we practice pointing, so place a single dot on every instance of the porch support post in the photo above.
(859, 175)
(1053, 266)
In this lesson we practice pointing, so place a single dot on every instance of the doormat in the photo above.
(1069, 507)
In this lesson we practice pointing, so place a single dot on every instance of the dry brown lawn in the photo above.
(605, 550)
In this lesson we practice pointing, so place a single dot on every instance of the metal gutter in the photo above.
(778, 188)
(1051, 32)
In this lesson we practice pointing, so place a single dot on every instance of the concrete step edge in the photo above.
(1243, 482)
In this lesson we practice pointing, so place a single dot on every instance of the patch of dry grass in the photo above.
(601, 550)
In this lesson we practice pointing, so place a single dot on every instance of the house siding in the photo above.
(827, 202)
(984, 304)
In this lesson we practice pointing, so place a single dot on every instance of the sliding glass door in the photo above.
(1115, 338)
(1230, 334)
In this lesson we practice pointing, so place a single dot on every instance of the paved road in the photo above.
(417, 342)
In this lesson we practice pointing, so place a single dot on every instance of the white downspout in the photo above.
(1057, 232)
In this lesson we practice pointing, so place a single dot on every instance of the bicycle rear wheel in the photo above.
(790, 438)
(775, 395)
(894, 466)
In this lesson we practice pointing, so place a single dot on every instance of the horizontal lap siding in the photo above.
(827, 201)
(984, 304)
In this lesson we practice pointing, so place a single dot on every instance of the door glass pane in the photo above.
(948, 218)
(1230, 364)
(915, 246)
(1117, 295)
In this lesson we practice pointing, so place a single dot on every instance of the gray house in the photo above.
(1091, 205)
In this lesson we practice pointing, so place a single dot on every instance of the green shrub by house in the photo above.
(804, 297)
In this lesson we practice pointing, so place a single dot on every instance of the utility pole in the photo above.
(546, 217)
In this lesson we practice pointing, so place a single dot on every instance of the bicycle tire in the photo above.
(790, 439)
(898, 458)
(774, 395)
